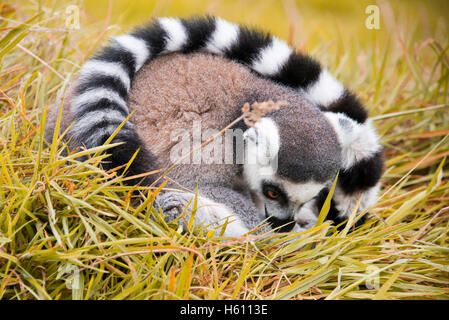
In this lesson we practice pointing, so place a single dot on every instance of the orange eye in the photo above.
(272, 194)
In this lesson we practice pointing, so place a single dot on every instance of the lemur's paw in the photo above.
(208, 214)
(173, 204)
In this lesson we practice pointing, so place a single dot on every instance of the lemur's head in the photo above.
(291, 157)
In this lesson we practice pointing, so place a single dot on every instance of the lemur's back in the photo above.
(174, 91)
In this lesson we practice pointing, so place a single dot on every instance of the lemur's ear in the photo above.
(262, 141)
(358, 140)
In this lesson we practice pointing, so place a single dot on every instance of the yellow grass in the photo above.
(69, 230)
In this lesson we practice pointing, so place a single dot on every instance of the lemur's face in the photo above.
(277, 198)
(287, 166)
(282, 200)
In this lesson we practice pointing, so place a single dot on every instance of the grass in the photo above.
(69, 230)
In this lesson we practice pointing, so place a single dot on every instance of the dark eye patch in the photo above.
(274, 193)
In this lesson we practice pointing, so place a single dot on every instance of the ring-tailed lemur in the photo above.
(218, 67)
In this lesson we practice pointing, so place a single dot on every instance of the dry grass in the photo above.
(69, 230)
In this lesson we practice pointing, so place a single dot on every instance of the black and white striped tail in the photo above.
(100, 102)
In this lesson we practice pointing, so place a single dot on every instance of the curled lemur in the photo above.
(173, 72)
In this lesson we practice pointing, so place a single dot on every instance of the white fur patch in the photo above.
(263, 143)
(358, 141)
(95, 67)
(177, 35)
(307, 216)
(95, 95)
(223, 37)
(136, 46)
(272, 58)
(302, 192)
(345, 204)
(325, 90)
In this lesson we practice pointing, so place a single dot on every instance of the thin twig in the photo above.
(403, 113)
(41, 61)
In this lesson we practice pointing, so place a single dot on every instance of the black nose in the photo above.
(284, 225)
